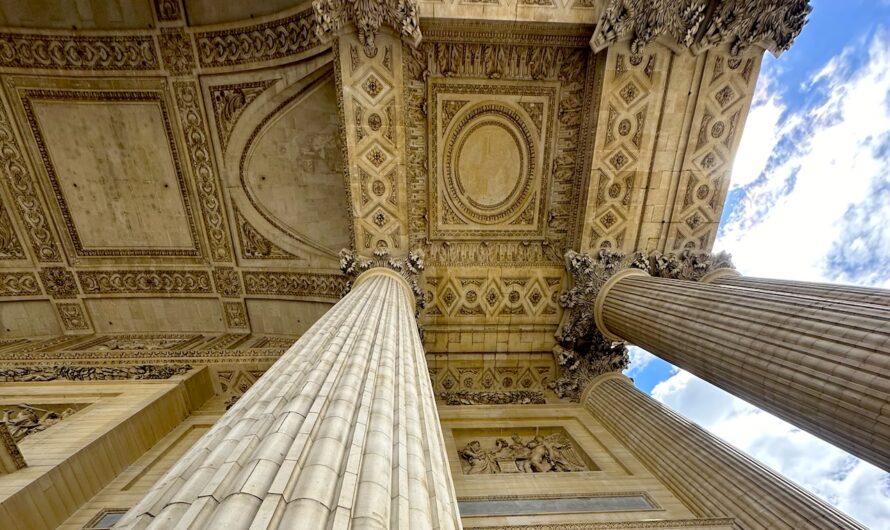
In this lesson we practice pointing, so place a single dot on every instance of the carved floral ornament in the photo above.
(409, 267)
(583, 352)
(367, 15)
(702, 24)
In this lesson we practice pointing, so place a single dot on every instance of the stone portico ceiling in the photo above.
(189, 166)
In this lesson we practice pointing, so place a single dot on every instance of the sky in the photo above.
(809, 200)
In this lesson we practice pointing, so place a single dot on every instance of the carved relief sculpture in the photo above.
(552, 453)
(23, 420)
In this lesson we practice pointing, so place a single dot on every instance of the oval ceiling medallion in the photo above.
(489, 164)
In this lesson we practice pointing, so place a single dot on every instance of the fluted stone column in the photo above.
(342, 432)
(816, 356)
(708, 475)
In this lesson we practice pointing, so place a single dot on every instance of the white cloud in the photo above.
(825, 160)
(639, 359)
(859, 489)
(755, 150)
(815, 206)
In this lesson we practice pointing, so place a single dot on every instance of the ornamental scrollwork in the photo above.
(31, 374)
(10, 248)
(188, 101)
(483, 397)
(155, 281)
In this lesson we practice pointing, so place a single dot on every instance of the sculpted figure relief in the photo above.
(541, 454)
(22, 420)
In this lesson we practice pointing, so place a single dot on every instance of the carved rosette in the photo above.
(583, 351)
(368, 15)
(409, 267)
(702, 24)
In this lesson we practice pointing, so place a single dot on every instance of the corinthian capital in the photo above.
(409, 267)
(701, 24)
(687, 265)
(584, 352)
(367, 16)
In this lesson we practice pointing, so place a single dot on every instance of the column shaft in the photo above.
(711, 477)
(342, 431)
(819, 362)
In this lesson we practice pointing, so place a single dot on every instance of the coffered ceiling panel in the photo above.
(493, 141)
(113, 169)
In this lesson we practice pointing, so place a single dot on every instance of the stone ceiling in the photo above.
(163, 174)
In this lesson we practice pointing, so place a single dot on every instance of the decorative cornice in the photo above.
(403, 16)
(702, 24)
(408, 267)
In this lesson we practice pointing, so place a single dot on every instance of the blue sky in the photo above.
(809, 200)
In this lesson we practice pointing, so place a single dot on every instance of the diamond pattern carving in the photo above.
(728, 86)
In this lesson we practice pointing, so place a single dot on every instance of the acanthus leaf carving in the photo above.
(687, 264)
(583, 352)
(409, 267)
(484, 397)
(30, 374)
(701, 24)
(403, 16)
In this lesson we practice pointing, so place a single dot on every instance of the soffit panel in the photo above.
(112, 166)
